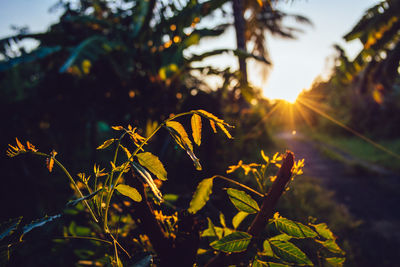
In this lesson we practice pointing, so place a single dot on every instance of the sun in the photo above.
(291, 98)
(286, 93)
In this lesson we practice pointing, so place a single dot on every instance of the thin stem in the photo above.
(116, 253)
(239, 184)
(85, 237)
(119, 245)
(108, 200)
(71, 180)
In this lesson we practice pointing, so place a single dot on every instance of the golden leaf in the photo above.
(212, 124)
(196, 128)
(31, 147)
(106, 143)
(222, 127)
(50, 160)
(20, 146)
(117, 128)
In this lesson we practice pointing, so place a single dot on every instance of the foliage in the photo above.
(107, 62)
(151, 229)
(364, 91)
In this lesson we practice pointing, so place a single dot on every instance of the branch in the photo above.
(266, 212)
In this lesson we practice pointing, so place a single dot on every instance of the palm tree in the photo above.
(377, 64)
(261, 19)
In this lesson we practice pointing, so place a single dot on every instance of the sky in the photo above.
(296, 63)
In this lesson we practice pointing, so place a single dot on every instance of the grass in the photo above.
(363, 150)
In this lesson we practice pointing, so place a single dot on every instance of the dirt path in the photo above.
(373, 198)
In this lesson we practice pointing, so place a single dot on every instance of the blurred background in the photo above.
(320, 78)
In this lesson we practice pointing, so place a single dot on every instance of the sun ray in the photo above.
(356, 133)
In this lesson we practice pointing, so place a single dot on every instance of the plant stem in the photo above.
(239, 184)
(85, 237)
(71, 180)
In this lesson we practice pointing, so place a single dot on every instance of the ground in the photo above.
(370, 193)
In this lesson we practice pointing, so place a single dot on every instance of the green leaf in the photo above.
(239, 217)
(196, 129)
(259, 263)
(106, 143)
(331, 245)
(289, 252)
(281, 237)
(201, 196)
(212, 231)
(171, 197)
(235, 242)
(153, 164)
(294, 229)
(130, 192)
(323, 230)
(227, 231)
(242, 201)
(267, 249)
(335, 261)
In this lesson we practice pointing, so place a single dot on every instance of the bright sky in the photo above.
(295, 63)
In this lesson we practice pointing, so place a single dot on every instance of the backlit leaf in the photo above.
(323, 230)
(201, 196)
(222, 127)
(130, 192)
(210, 116)
(267, 249)
(331, 245)
(235, 242)
(196, 129)
(127, 152)
(239, 217)
(212, 231)
(281, 237)
(212, 124)
(183, 138)
(242, 201)
(20, 146)
(50, 163)
(50, 160)
(222, 219)
(259, 263)
(106, 143)
(117, 128)
(335, 261)
(289, 252)
(147, 179)
(153, 164)
(294, 229)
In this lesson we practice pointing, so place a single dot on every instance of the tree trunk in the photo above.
(240, 37)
